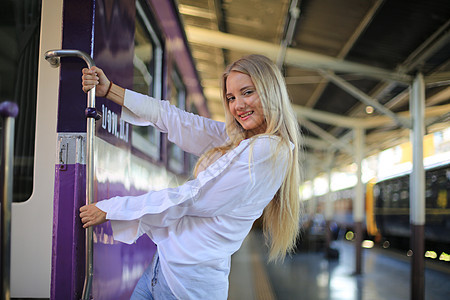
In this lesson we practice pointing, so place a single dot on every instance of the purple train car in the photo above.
(141, 46)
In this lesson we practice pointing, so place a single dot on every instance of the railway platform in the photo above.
(310, 276)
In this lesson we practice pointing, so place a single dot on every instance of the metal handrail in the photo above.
(53, 57)
(8, 111)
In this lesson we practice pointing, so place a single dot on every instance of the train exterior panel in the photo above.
(141, 46)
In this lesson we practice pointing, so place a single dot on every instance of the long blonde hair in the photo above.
(281, 216)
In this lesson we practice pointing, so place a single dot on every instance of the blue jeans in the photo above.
(152, 285)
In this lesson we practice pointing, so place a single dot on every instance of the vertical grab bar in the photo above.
(8, 111)
(53, 57)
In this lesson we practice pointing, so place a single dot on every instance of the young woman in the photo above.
(248, 167)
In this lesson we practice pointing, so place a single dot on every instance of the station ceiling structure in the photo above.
(347, 64)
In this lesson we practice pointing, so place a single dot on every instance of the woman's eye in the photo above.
(229, 99)
(248, 92)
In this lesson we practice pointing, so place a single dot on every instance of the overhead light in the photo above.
(369, 109)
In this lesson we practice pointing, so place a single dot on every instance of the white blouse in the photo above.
(200, 224)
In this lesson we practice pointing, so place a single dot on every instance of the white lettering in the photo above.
(109, 121)
(104, 114)
(122, 129)
(116, 133)
(114, 125)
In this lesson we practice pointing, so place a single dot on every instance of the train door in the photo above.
(28, 30)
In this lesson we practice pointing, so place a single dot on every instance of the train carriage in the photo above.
(141, 46)
(391, 208)
(387, 209)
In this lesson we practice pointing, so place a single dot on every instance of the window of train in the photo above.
(177, 98)
(19, 57)
(147, 79)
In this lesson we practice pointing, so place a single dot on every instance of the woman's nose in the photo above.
(240, 103)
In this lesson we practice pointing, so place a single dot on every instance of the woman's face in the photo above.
(244, 103)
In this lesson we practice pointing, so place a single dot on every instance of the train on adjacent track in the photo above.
(391, 202)
(141, 45)
(387, 213)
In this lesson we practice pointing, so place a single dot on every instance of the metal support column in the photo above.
(312, 173)
(8, 111)
(358, 204)
(329, 202)
(417, 189)
(294, 13)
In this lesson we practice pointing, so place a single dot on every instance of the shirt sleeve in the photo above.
(249, 175)
(192, 133)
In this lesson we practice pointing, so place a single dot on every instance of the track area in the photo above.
(308, 275)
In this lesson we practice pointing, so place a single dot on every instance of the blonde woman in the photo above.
(248, 167)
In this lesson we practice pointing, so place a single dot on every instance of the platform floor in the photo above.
(309, 276)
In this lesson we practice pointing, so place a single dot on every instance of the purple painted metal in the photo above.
(68, 249)
(114, 53)
(168, 18)
(9, 109)
(76, 35)
(117, 267)
(68, 238)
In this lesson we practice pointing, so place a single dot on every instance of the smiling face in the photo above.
(244, 103)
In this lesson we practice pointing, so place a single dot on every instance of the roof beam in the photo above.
(439, 78)
(430, 112)
(294, 57)
(294, 13)
(433, 44)
(326, 117)
(317, 144)
(422, 53)
(318, 91)
(326, 136)
(442, 96)
(358, 94)
(369, 122)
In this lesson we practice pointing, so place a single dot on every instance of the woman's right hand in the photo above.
(95, 77)
(91, 215)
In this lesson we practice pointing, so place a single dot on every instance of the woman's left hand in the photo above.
(91, 215)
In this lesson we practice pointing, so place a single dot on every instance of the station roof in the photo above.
(337, 57)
